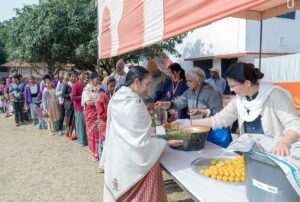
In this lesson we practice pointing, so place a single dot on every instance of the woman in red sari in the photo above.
(89, 98)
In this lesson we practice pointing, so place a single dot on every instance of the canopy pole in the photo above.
(260, 43)
(98, 68)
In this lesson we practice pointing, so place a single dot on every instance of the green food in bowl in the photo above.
(177, 134)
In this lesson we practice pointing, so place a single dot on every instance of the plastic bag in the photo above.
(221, 137)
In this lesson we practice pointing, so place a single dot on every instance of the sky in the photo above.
(7, 7)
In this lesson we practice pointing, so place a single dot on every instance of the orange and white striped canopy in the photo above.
(127, 25)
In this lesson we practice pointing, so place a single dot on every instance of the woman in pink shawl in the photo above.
(89, 98)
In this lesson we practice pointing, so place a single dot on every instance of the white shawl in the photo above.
(130, 149)
(90, 93)
(254, 107)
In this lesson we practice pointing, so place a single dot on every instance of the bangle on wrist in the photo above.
(283, 142)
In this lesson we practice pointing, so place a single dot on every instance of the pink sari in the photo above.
(92, 130)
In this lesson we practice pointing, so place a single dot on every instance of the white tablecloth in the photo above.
(178, 164)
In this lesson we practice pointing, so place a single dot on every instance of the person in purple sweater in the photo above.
(31, 92)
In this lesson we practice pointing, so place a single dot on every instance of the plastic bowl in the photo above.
(194, 138)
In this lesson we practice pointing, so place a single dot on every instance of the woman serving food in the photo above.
(260, 108)
(200, 98)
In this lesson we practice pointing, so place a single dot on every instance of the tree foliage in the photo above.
(3, 55)
(145, 53)
(57, 32)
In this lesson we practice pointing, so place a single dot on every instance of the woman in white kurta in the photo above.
(260, 108)
(131, 154)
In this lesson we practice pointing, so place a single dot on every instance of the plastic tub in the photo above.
(266, 181)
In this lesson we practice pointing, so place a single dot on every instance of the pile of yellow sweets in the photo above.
(228, 170)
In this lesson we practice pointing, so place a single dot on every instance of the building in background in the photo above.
(232, 39)
(26, 69)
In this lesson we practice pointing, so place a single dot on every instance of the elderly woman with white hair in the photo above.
(200, 98)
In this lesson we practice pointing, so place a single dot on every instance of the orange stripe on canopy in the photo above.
(106, 35)
(169, 18)
(131, 27)
(294, 89)
(181, 16)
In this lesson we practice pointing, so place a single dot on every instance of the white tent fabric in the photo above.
(128, 25)
(281, 69)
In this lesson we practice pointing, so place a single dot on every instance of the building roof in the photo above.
(235, 55)
(16, 64)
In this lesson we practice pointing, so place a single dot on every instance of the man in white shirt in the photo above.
(217, 82)
(119, 74)
(158, 77)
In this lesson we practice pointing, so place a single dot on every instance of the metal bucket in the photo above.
(161, 116)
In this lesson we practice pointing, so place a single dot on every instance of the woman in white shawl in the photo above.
(260, 108)
(131, 154)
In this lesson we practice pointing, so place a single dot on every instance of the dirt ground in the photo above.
(35, 166)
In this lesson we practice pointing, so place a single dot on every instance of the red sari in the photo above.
(150, 188)
(101, 106)
(92, 131)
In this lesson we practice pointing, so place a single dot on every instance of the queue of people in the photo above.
(117, 123)
(66, 107)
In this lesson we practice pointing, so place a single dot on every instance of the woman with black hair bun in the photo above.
(260, 108)
(131, 154)
(173, 87)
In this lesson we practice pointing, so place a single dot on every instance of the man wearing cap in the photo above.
(217, 82)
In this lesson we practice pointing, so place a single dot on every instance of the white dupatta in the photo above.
(250, 110)
(130, 149)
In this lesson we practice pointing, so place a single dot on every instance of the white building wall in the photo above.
(279, 35)
(233, 35)
(217, 64)
(247, 59)
(4, 75)
(26, 72)
(221, 37)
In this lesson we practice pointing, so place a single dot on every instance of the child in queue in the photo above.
(40, 114)
(101, 106)
(50, 105)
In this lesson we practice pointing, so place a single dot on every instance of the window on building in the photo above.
(291, 15)
(205, 66)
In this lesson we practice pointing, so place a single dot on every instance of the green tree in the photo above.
(57, 32)
(53, 32)
(3, 55)
(152, 51)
